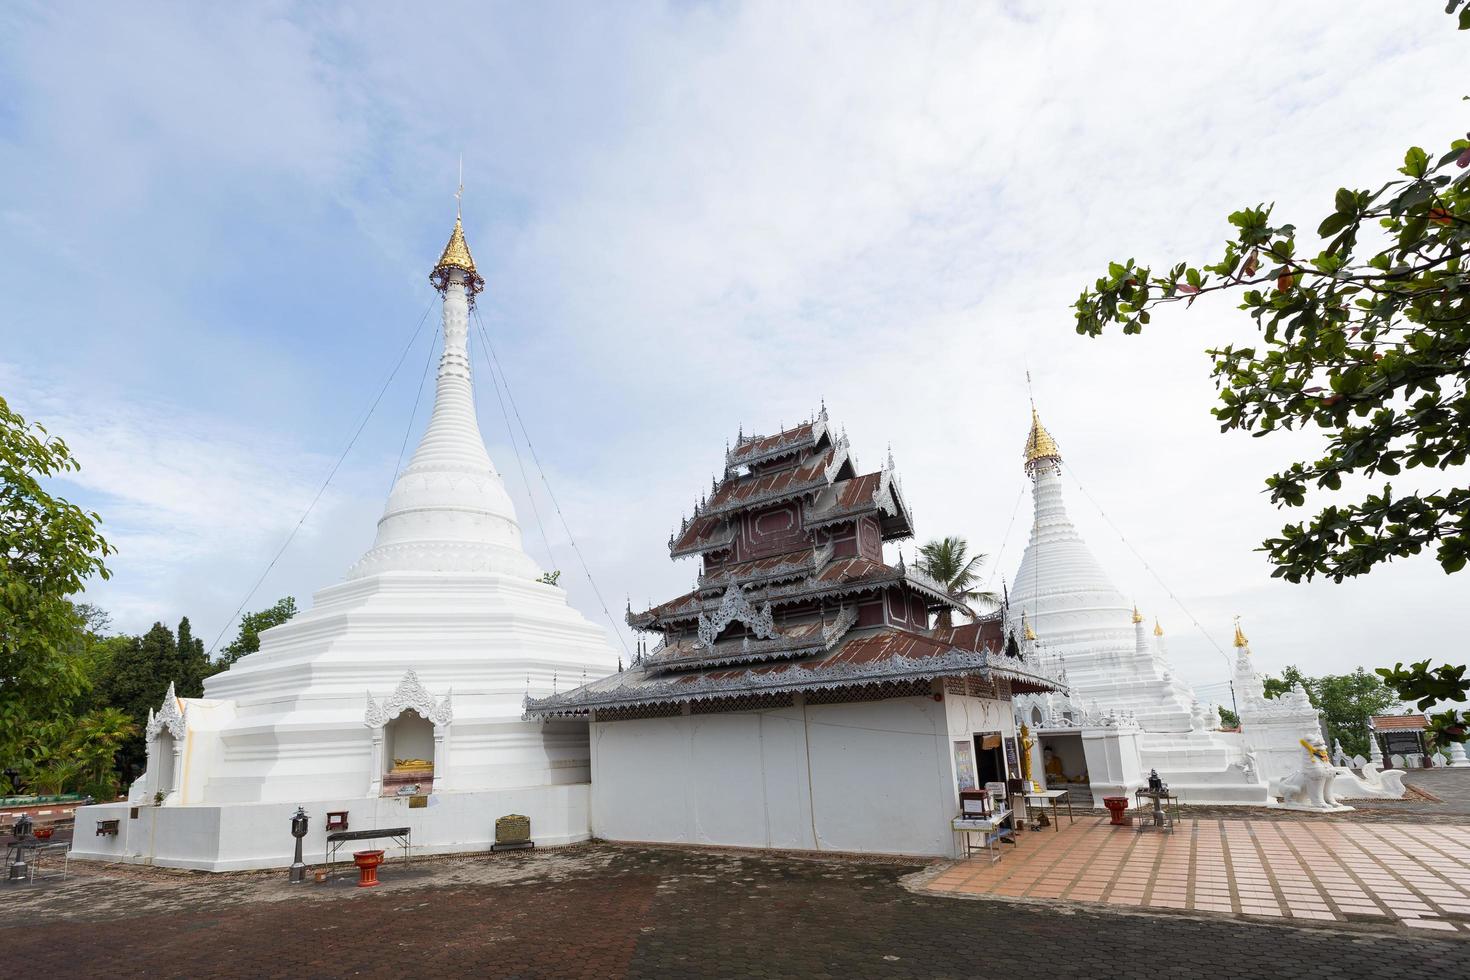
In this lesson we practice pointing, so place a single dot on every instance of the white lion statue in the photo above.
(1310, 787)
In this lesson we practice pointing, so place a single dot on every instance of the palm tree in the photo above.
(945, 561)
(95, 742)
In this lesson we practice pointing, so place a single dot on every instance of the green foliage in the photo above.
(251, 626)
(66, 755)
(137, 675)
(1228, 718)
(1346, 702)
(551, 578)
(48, 549)
(1370, 345)
(1290, 677)
(945, 560)
(1428, 687)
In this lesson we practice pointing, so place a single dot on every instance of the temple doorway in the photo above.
(408, 743)
(990, 760)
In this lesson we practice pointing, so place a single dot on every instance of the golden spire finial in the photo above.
(1039, 443)
(1240, 640)
(1027, 632)
(1137, 616)
(1158, 630)
(456, 254)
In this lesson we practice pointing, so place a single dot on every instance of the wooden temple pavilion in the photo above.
(798, 696)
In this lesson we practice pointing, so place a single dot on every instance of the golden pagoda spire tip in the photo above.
(1039, 443)
(1240, 640)
(1137, 616)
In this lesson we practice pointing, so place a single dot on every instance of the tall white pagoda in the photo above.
(1085, 623)
(397, 698)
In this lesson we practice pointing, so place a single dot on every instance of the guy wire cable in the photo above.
(325, 483)
(413, 413)
(1149, 568)
(571, 539)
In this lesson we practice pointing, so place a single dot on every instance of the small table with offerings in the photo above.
(1164, 813)
(993, 828)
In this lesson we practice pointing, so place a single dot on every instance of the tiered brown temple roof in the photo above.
(795, 595)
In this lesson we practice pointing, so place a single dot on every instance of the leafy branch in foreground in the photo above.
(1371, 344)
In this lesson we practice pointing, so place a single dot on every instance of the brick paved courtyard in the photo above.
(1413, 875)
(620, 911)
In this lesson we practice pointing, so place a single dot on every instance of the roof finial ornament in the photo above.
(1137, 616)
(1158, 630)
(1241, 642)
(456, 254)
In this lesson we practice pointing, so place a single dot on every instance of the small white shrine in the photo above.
(397, 698)
(1125, 711)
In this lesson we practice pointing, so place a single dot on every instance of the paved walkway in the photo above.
(605, 912)
(1417, 876)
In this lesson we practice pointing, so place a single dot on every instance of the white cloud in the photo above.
(692, 218)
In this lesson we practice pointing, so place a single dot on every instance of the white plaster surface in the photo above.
(236, 837)
(867, 776)
(445, 617)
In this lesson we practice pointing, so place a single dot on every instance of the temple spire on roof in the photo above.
(1240, 640)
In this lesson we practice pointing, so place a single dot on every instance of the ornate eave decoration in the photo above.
(635, 687)
(410, 693)
(735, 606)
(785, 447)
(170, 716)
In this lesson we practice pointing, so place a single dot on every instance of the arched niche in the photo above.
(165, 763)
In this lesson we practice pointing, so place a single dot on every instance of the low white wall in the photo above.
(869, 776)
(239, 836)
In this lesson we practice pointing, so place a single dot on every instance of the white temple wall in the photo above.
(870, 776)
(1114, 763)
(238, 837)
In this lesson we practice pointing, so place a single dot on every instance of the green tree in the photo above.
(135, 682)
(1290, 677)
(945, 560)
(194, 663)
(48, 549)
(97, 740)
(247, 641)
(1346, 702)
(1368, 340)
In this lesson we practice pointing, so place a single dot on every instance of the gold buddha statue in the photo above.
(411, 765)
(1054, 771)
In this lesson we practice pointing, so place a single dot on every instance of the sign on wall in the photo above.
(964, 765)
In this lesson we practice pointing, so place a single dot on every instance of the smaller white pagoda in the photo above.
(1125, 712)
(396, 700)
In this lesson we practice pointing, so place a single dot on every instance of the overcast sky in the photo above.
(215, 233)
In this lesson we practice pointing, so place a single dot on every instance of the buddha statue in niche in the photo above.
(1054, 772)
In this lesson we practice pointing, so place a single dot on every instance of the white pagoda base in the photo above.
(244, 836)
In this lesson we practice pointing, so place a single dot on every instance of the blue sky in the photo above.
(215, 234)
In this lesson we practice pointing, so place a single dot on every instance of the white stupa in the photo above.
(1083, 621)
(398, 696)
